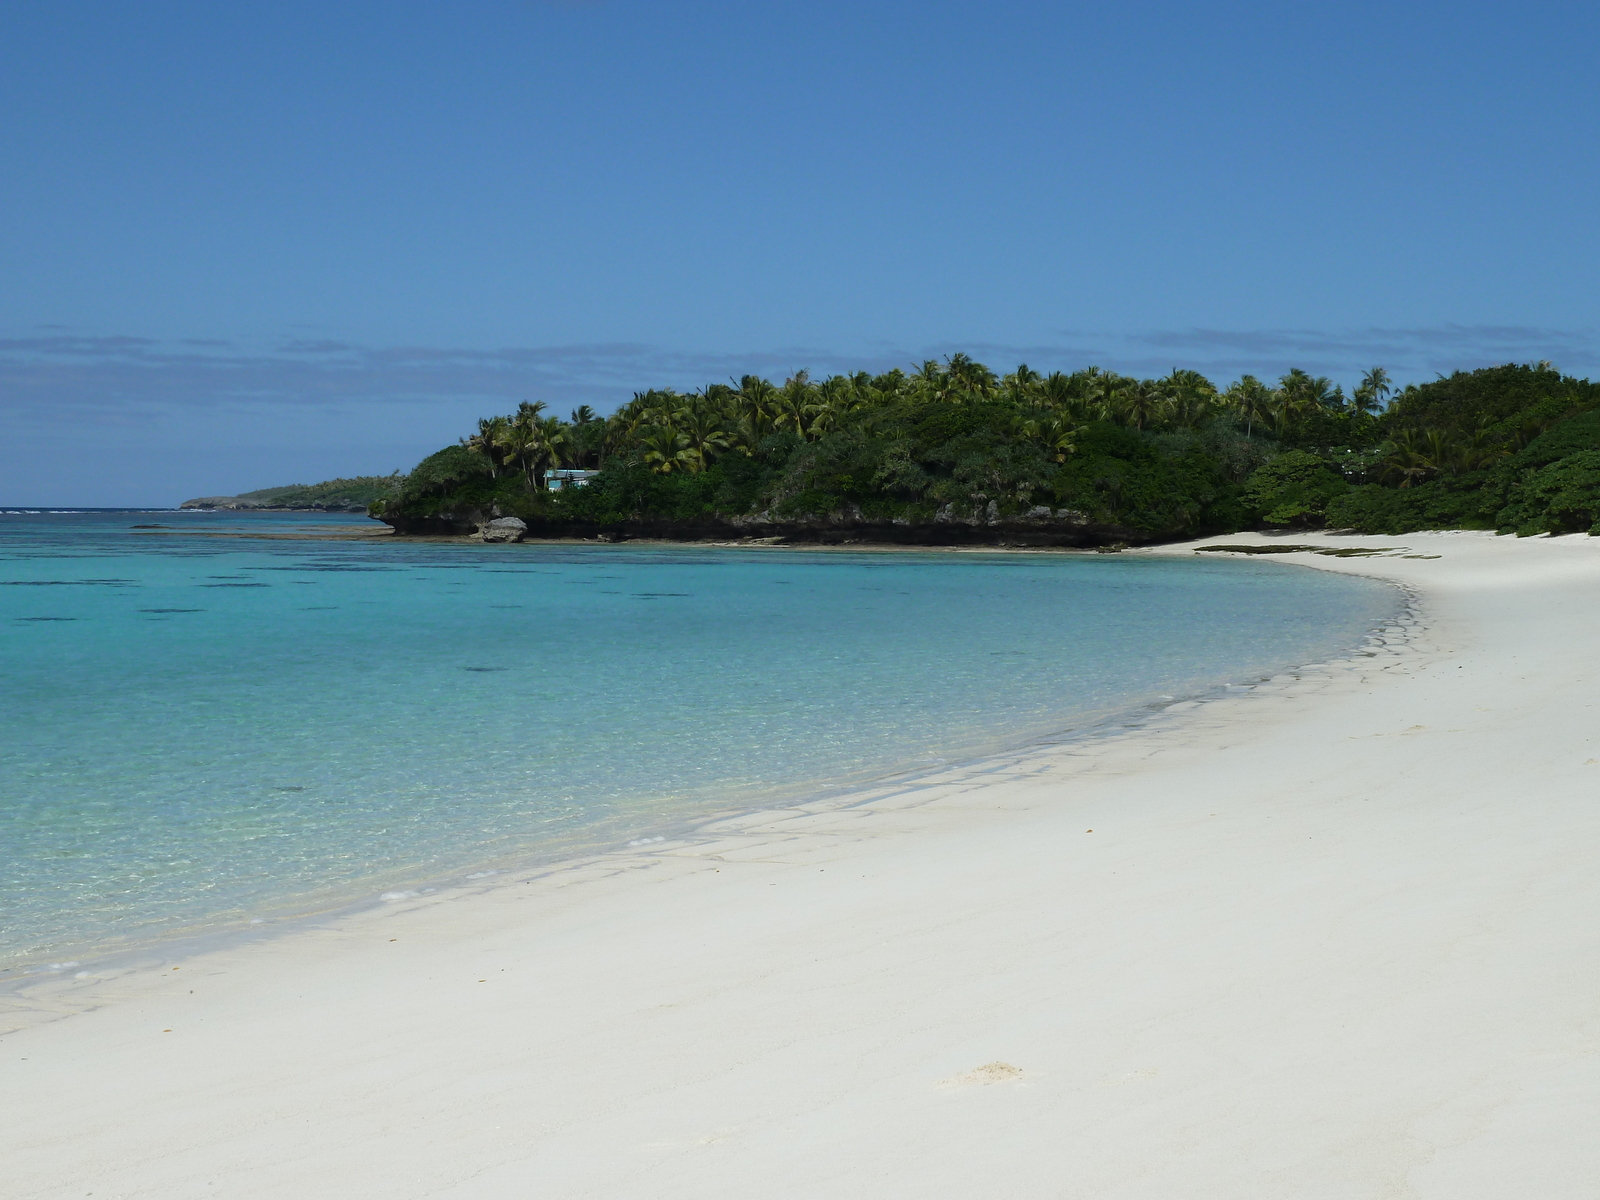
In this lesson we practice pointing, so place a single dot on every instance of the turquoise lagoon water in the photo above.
(200, 732)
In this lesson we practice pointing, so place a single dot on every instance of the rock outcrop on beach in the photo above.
(504, 529)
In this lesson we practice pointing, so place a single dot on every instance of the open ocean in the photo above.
(201, 733)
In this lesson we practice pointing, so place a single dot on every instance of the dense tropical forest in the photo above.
(955, 452)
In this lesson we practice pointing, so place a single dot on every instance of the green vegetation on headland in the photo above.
(955, 453)
(336, 495)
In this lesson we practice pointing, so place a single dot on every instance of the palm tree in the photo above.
(1138, 403)
(1457, 453)
(795, 404)
(755, 400)
(865, 392)
(667, 450)
(1058, 391)
(1301, 395)
(523, 445)
(1481, 451)
(518, 440)
(968, 379)
(1411, 461)
(1251, 399)
(1096, 391)
(1057, 434)
(894, 384)
(1182, 377)
(633, 414)
(1190, 396)
(928, 381)
(583, 414)
(1022, 386)
(1372, 392)
(717, 399)
(1190, 409)
(553, 445)
(617, 437)
(703, 433)
(838, 395)
(490, 441)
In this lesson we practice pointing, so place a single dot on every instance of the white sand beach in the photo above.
(1337, 935)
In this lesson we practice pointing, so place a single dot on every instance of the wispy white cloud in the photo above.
(1414, 353)
(44, 376)
(48, 374)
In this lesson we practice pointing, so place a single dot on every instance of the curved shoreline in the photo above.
(32, 991)
(1324, 938)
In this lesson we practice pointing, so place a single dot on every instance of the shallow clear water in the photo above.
(200, 731)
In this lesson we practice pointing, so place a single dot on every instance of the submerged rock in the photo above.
(505, 529)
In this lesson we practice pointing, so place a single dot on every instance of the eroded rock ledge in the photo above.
(1038, 527)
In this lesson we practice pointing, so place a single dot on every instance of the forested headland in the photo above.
(333, 495)
(953, 452)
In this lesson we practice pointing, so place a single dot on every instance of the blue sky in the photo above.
(243, 245)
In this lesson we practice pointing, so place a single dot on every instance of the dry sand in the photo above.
(1335, 936)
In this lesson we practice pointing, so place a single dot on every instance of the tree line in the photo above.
(953, 439)
(672, 431)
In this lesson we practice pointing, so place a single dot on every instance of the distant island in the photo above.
(954, 453)
(335, 495)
